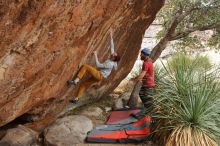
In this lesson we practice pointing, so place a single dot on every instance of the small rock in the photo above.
(125, 96)
(20, 136)
(108, 109)
(92, 111)
(68, 131)
(121, 101)
(118, 104)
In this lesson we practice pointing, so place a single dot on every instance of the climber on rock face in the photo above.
(103, 71)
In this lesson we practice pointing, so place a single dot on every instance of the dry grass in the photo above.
(186, 136)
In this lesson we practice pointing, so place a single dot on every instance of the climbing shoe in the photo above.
(74, 101)
(70, 82)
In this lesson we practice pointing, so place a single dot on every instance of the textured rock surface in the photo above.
(68, 131)
(44, 42)
(122, 100)
(92, 111)
(20, 136)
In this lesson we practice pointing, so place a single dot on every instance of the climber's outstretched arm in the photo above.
(112, 42)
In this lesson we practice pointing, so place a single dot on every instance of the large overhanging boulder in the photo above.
(43, 43)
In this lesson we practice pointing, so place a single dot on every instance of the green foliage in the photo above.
(158, 73)
(214, 41)
(188, 43)
(182, 61)
(187, 100)
(202, 13)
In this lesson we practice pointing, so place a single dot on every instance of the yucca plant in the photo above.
(158, 73)
(187, 103)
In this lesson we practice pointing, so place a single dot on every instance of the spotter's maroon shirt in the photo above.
(148, 79)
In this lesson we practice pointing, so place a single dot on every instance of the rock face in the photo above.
(43, 43)
(68, 131)
(20, 136)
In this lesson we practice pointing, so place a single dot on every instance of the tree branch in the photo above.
(177, 19)
(170, 31)
(180, 15)
(190, 30)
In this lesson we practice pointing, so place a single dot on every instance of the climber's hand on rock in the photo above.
(111, 31)
(133, 79)
(94, 53)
